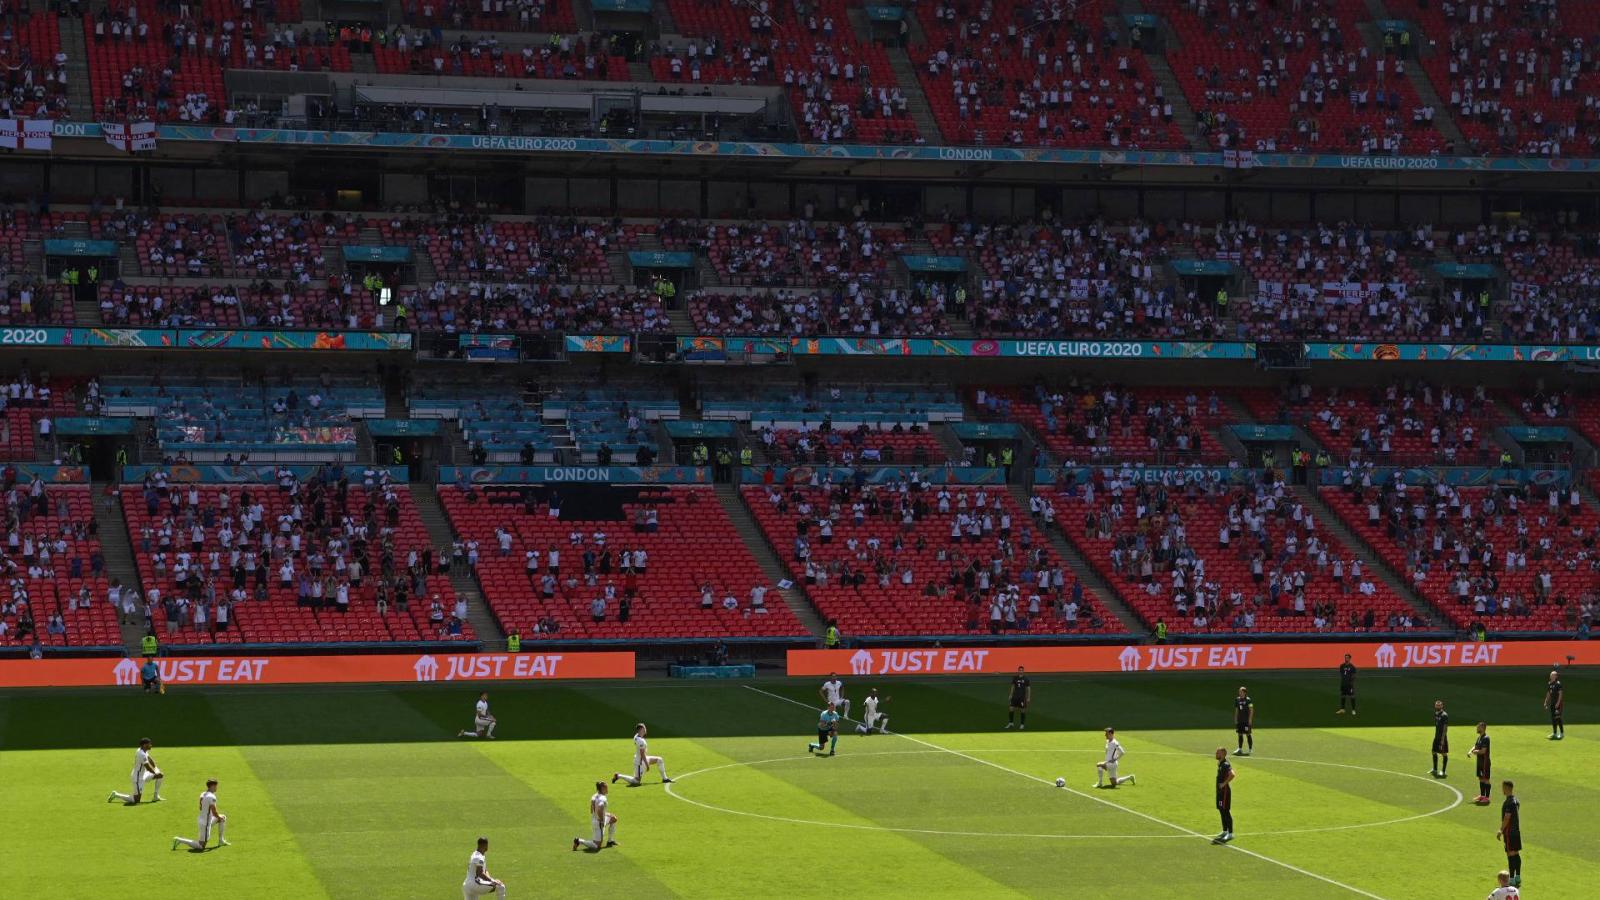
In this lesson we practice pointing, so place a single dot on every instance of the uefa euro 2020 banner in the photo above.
(1187, 657)
(327, 669)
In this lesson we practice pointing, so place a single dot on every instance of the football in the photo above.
(1061, 782)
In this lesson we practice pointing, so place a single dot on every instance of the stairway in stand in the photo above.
(1374, 563)
(484, 625)
(116, 545)
(1093, 584)
(745, 524)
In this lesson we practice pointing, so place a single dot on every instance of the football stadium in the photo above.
(675, 448)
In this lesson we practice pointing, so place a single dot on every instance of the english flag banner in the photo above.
(132, 137)
(27, 134)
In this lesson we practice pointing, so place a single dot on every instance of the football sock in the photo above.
(491, 730)
(1514, 865)
(588, 845)
(1445, 764)
(833, 743)
(1483, 788)
(193, 845)
(662, 768)
(157, 781)
(611, 833)
(1024, 718)
(1435, 762)
(1251, 739)
(883, 725)
(125, 798)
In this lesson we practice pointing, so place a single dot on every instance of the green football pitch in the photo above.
(366, 792)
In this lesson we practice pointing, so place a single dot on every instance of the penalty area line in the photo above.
(1101, 800)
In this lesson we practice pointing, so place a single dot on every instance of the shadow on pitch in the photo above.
(319, 715)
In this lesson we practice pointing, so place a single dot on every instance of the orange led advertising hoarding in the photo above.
(1181, 657)
(227, 670)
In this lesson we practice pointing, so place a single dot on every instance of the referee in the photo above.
(1225, 796)
(1347, 685)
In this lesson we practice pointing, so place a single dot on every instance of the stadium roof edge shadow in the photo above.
(1066, 704)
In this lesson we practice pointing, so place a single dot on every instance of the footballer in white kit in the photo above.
(209, 815)
(479, 882)
(871, 718)
(642, 761)
(603, 823)
(832, 691)
(482, 722)
(1106, 770)
(144, 770)
(1505, 890)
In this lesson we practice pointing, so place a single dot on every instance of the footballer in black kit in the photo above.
(1441, 740)
(1554, 700)
(1021, 693)
(1244, 723)
(1510, 833)
(1347, 685)
(1224, 796)
(1480, 752)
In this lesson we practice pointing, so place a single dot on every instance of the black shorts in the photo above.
(822, 735)
(1347, 690)
(1441, 745)
(1483, 769)
(1514, 842)
(1242, 727)
(1019, 703)
(1224, 799)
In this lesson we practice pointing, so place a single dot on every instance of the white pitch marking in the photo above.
(1143, 815)
(1459, 798)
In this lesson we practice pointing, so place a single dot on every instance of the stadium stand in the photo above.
(226, 420)
(914, 560)
(1412, 422)
(581, 423)
(1512, 559)
(320, 561)
(56, 585)
(792, 253)
(1160, 545)
(35, 82)
(1294, 78)
(1082, 423)
(1025, 74)
(1513, 75)
(645, 575)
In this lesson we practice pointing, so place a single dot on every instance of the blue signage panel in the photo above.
(660, 259)
(935, 263)
(74, 247)
(384, 254)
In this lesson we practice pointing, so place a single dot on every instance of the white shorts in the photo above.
(470, 889)
(1110, 769)
(640, 767)
(599, 830)
(202, 828)
(871, 720)
(481, 724)
(139, 779)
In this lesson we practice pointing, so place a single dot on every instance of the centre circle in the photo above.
(673, 790)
